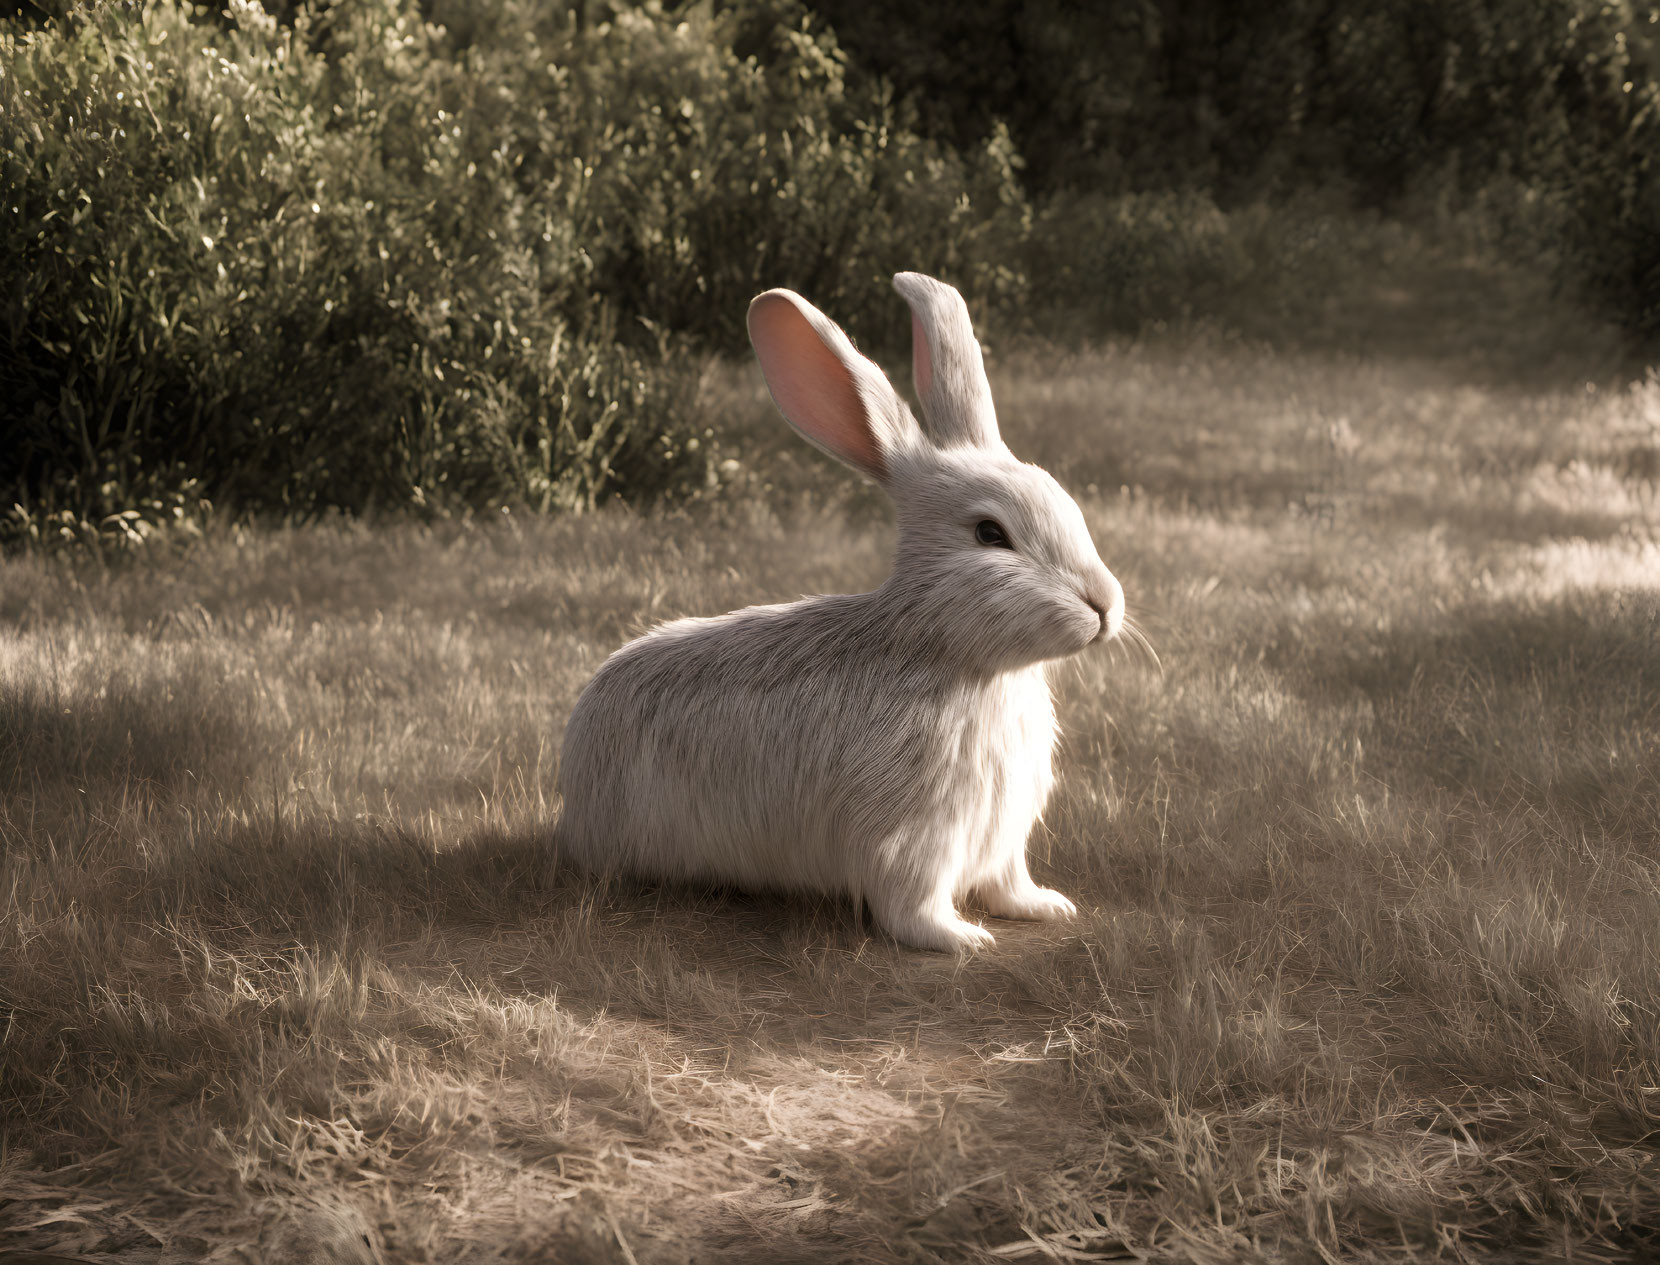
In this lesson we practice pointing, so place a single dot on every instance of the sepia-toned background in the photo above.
(370, 371)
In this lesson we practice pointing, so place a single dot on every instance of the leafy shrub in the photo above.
(359, 260)
(730, 156)
(236, 259)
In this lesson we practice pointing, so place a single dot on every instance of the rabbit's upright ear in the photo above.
(946, 365)
(833, 396)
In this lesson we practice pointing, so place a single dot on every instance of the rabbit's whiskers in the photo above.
(1136, 639)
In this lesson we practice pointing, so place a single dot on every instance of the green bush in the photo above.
(361, 260)
(731, 157)
(238, 260)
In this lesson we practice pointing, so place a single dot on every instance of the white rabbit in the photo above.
(894, 745)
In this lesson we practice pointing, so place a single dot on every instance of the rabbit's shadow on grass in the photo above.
(498, 910)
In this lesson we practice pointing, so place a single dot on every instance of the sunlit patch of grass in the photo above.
(1368, 871)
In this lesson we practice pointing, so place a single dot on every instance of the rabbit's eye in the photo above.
(988, 532)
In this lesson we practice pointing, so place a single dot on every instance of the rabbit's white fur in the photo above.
(894, 745)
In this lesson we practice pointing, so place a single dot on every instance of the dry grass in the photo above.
(1371, 873)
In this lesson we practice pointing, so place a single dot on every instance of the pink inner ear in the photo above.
(811, 385)
(922, 359)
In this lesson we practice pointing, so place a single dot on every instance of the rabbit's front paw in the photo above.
(1047, 905)
(943, 932)
(1031, 904)
(947, 935)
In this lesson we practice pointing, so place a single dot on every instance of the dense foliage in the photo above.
(470, 252)
(357, 260)
(1544, 110)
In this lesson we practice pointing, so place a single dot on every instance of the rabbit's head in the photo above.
(995, 562)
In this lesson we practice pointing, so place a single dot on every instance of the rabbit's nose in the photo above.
(1107, 601)
(1101, 614)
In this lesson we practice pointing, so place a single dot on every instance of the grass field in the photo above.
(1370, 872)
